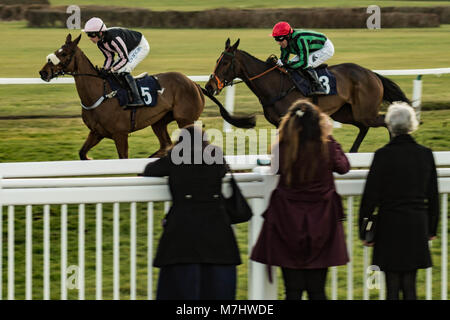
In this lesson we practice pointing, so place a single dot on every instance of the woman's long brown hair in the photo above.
(303, 138)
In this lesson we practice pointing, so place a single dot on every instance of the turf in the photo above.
(192, 52)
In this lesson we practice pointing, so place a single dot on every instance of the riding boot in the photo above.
(137, 101)
(316, 87)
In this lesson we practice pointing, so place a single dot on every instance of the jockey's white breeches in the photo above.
(136, 56)
(318, 57)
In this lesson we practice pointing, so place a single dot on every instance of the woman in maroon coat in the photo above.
(302, 232)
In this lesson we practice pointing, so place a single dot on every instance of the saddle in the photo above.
(303, 84)
(148, 87)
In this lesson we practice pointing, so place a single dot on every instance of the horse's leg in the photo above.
(160, 130)
(272, 115)
(380, 122)
(92, 140)
(361, 135)
(121, 142)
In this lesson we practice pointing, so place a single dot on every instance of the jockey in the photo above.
(311, 49)
(131, 48)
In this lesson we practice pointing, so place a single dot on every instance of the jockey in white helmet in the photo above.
(130, 46)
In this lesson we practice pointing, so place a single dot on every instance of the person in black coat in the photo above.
(197, 253)
(402, 183)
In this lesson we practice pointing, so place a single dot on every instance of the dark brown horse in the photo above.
(360, 91)
(180, 99)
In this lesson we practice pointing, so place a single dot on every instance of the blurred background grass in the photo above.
(184, 5)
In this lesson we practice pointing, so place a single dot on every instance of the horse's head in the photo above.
(225, 70)
(61, 60)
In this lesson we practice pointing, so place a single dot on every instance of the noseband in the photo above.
(220, 84)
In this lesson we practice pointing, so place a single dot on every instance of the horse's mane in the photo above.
(253, 57)
(87, 58)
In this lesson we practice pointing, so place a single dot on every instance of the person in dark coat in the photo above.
(302, 230)
(402, 184)
(197, 253)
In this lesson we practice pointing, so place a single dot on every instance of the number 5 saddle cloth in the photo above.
(148, 87)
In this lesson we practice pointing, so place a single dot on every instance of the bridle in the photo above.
(65, 64)
(98, 75)
(225, 83)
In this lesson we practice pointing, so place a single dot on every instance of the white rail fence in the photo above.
(416, 99)
(67, 192)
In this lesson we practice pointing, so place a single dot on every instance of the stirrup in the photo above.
(318, 91)
(133, 104)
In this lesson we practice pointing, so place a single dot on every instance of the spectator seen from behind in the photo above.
(302, 231)
(197, 253)
(402, 185)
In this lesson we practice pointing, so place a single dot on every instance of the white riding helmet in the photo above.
(94, 25)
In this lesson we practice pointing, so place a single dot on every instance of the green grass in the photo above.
(374, 49)
(60, 139)
(203, 5)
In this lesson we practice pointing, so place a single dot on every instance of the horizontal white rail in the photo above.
(230, 91)
(407, 72)
(136, 166)
(413, 72)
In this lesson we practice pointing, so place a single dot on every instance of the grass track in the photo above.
(181, 50)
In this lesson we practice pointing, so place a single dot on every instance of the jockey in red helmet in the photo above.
(311, 49)
(130, 46)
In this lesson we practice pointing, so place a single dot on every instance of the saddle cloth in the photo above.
(327, 79)
(148, 87)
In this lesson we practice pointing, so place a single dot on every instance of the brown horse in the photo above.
(360, 91)
(180, 99)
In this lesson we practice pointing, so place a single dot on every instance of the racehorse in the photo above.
(360, 91)
(180, 99)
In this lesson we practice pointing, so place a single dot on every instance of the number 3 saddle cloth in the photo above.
(326, 78)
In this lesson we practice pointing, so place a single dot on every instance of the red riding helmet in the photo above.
(281, 29)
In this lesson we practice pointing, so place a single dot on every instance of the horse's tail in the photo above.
(245, 122)
(392, 91)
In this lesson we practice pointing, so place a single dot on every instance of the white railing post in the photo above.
(365, 268)
(28, 252)
(417, 96)
(81, 253)
(116, 251)
(46, 252)
(64, 252)
(133, 251)
(149, 250)
(334, 283)
(350, 247)
(259, 286)
(98, 251)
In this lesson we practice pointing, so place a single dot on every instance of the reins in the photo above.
(225, 83)
(102, 98)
